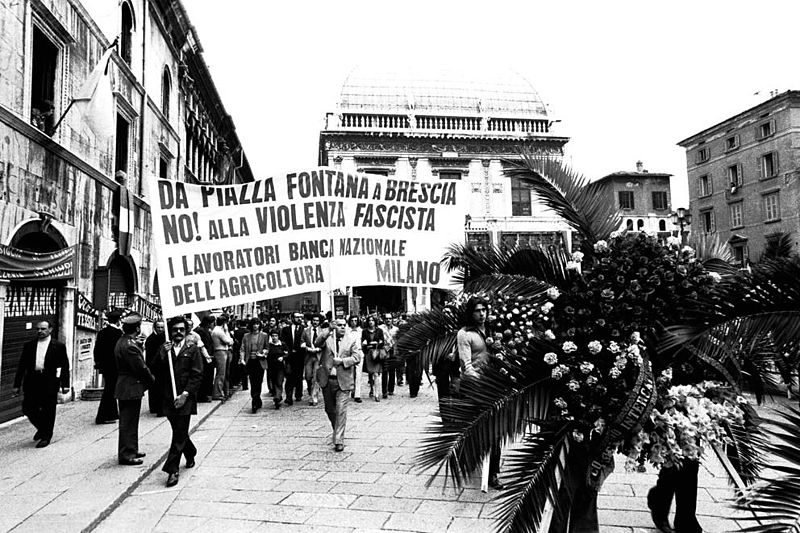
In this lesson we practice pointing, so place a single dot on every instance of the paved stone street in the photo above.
(276, 471)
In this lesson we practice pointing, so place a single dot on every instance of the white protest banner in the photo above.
(310, 230)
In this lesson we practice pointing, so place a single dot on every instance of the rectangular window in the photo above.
(163, 168)
(765, 129)
(659, 200)
(708, 224)
(731, 143)
(121, 153)
(768, 165)
(736, 215)
(702, 155)
(740, 254)
(626, 199)
(705, 187)
(520, 199)
(772, 207)
(734, 176)
(449, 175)
(43, 81)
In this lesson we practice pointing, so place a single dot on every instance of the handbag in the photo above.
(380, 354)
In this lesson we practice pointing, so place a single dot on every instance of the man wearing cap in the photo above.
(105, 363)
(42, 366)
(179, 367)
(133, 379)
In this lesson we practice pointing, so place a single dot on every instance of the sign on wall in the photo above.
(311, 230)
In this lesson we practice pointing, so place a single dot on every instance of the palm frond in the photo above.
(531, 289)
(490, 410)
(710, 251)
(469, 263)
(779, 245)
(534, 471)
(570, 195)
(775, 500)
(430, 334)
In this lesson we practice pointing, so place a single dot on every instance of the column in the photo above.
(3, 289)
(66, 333)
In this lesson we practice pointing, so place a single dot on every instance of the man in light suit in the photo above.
(42, 366)
(341, 351)
(133, 378)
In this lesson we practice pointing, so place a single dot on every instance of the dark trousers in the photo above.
(256, 374)
(388, 376)
(413, 375)
(155, 397)
(128, 441)
(207, 385)
(682, 484)
(580, 514)
(294, 378)
(39, 405)
(278, 376)
(181, 443)
(399, 369)
(107, 410)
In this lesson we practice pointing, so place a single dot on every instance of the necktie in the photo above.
(337, 345)
(315, 335)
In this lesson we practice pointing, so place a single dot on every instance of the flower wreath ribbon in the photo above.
(641, 401)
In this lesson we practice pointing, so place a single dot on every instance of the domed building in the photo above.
(447, 124)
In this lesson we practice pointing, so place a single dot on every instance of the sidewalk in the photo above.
(72, 483)
(275, 471)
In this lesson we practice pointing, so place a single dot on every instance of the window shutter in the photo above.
(772, 126)
(710, 185)
(760, 167)
(740, 171)
(775, 165)
(699, 187)
(713, 222)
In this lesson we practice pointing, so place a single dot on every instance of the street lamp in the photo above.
(681, 218)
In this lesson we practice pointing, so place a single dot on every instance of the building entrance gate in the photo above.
(26, 304)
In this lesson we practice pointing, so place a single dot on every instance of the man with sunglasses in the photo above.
(179, 368)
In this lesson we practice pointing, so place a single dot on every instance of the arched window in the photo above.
(640, 224)
(166, 88)
(126, 33)
(629, 225)
(662, 225)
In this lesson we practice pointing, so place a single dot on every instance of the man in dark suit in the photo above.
(292, 337)
(341, 351)
(179, 367)
(311, 361)
(105, 363)
(42, 366)
(151, 347)
(132, 380)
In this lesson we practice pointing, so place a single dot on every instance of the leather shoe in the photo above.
(130, 462)
(357, 400)
(172, 479)
(37, 436)
(339, 447)
(190, 463)
(289, 401)
(43, 443)
(495, 483)
(139, 455)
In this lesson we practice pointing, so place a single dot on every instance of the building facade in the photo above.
(743, 177)
(74, 214)
(447, 124)
(643, 199)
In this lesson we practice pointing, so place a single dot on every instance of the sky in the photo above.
(627, 79)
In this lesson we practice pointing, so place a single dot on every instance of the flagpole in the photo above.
(64, 114)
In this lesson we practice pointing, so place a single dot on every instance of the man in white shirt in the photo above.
(43, 365)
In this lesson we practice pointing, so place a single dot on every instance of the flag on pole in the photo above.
(125, 214)
(95, 100)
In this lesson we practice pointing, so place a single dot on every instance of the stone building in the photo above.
(452, 125)
(643, 199)
(743, 177)
(74, 216)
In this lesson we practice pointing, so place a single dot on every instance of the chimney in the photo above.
(639, 166)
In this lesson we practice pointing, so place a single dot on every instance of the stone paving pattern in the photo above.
(277, 471)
